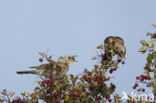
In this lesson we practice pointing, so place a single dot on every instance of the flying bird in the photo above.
(116, 44)
(58, 68)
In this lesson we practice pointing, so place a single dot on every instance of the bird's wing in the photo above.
(119, 39)
(43, 66)
(109, 44)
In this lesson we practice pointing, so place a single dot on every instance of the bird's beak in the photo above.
(74, 58)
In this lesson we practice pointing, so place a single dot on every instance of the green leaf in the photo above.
(149, 34)
(143, 49)
(12, 94)
(93, 58)
(149, 58)
(150, 44)
(4, 92)
(100, 47)
(143, 42)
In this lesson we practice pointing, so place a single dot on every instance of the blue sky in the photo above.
(70, 27)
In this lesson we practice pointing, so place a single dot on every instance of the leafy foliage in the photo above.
(93, 86)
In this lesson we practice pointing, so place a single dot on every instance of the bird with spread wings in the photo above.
(57, 68)
(116, 44)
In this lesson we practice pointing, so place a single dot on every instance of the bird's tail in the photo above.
(27, 72)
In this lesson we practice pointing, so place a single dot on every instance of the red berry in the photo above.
(123, 62)
(148, 77)
(78, 95)
(111, 88)
(102, 84)
(110, 71)
(102, 55)
(136, 84)
(142, 76)
(148, 98)
(109, 100)
(41, 60)
(113, 69)
(137, 77)
(107, 97)
(142, 79)
(89, 73)
(64, 96)
(87, 93)
(119, 60)
(32, 95)
(143, 90)
(97, 98)
(134, 87)
(55, 93)
(128, 100)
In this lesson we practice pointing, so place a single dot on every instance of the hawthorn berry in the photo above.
(111, 88)
(143, 90)
(123, 62)
(137, 77)
(41, 60)
(110, 71)
(107, 97)
(102, 55)
(89, 73)
(136, 84)
(64, 96)
(97, 98)
(78, 95)
(87, 93)
(109, 100)
(128, 100)
(119, 60)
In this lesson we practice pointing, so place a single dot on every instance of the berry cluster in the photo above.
(19, 100)
(135, 85)
(112, 69)
(55, 94)
(106, 56)
(75, 95)
(48, 83)
(112, 87)
(143, 77)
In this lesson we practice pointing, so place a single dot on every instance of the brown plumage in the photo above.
(58, 68)
(116, 44)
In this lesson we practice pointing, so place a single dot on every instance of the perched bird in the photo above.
(116, 44)
(58, 68)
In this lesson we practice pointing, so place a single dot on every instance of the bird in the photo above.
(116, 44)
(58, 68)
